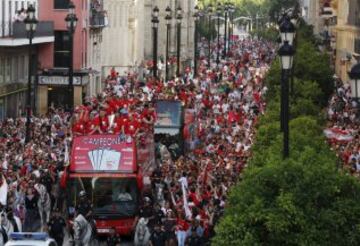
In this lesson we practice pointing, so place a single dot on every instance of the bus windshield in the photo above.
(115, 197)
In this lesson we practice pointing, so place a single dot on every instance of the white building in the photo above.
(128, 38)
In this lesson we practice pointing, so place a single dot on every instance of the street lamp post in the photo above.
(178, 22)
(354, 75)
(226, 9)
(196, 19)
(218, 13)
(286, 53)
(71, 21)
(30, 25)
(155, 24)
(168, 26)
(231, 11)
(294, 20)
(287, 34)
(209, 12)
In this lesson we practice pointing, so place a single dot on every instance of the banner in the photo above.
(338, 134)
(3, 191)
(102, 153)
(168, 114)
(190, 129)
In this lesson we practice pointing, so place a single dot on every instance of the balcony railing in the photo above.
(43, 29)
(18, 30)
(98, 19)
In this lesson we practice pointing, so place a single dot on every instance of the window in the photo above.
(111, 197)
(61, 4)
(15, 69)
(61, 49)
(2, 70)
(357, 46)
(8, 70)
(22, 68)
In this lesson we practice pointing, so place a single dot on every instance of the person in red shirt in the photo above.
(193, 196)
(233, 116)
(148, 116)
(113, 73)
(132, 126)
(93, 125)
(182, 227)
(78, 127)
(104, 121)
(118, 125)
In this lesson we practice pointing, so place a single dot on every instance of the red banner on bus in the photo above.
(102, 153)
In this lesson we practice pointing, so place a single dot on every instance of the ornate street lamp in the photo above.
(155, 25)
(209, 12)
(71, 21)
(287, 30)
(30, 25)
(178, 23)
(218, 13)
(168, 26)
(231, 25)
(354, 75)
(286, 54)
(226, 11)
(196, 20)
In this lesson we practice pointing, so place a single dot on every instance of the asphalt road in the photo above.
(124, 242)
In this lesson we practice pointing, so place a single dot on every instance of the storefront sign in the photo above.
(58, 80)
(101, 153)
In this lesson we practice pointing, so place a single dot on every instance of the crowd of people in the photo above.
(343, 130)
(227, 99)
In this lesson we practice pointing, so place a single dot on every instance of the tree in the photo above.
(292, 203)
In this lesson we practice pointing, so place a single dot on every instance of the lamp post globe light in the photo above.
(287, 30)
(354, 75)
(286, 54)
(209, 12)
(231, 25)
(178, 23)
(218, 13)
(196, 20)
(71, 22)
(30, 25)
(155, 25)
(168, 19)
(226, 11)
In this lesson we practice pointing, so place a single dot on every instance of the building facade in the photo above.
(14, 55)
(187, 30)
(347, 36)
(54, 58)
(128, 39)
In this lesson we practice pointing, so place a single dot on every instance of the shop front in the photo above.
(53, 91)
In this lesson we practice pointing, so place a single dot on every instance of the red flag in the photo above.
(63, 178)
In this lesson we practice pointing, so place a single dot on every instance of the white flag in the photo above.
(3, 191)
(66, 157)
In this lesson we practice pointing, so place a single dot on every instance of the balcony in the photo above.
(14, 34)
(98, 19)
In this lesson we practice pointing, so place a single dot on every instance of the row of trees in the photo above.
(304, 200)
(252, 8)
